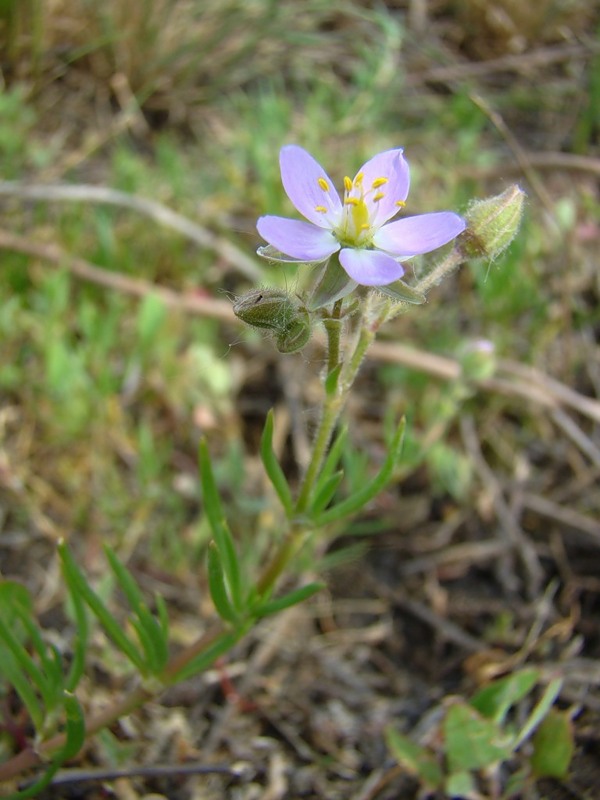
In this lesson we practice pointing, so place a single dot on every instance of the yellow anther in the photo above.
(323, 184)
(347, 184)
(351, 201)
(400, 203)
(321, 209)
(359, 178)
(378, 196)
(379, 182)
(365, 226)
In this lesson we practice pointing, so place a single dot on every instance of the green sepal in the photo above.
(288, 600)
(219, 527)
(333, 284)
(273, 468)
(351, 505)
(77, 583)
(403, 293)
(217, 586)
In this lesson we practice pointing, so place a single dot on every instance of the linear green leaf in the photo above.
(217, 586)
(289, 600)
(326, 491)
(15, 675)
(148, 629)
(219, 527)
(273, 468)
(208, 657)
(359, 499)
(77, 582)
(77, 668)
(26, 663)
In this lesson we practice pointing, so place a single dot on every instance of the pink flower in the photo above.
(358, 226)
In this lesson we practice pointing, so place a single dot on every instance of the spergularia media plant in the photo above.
(354, 251)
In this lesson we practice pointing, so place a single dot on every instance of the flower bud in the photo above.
(492, 224)
(477, 359)
(275, 310)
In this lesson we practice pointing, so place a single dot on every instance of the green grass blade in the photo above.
(77, 583)
(273, 468)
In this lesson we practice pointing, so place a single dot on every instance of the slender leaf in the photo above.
(289, 600)
(360, 499)
(273, 468)
(219, 527)
(204, 660)
(326, 491)
(217, 586)
(80, 642)
(15, 675)
(77, 583)
(26, 663)
(149, 630)
(332, 460)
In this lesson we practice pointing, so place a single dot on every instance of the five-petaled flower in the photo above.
(358, 226)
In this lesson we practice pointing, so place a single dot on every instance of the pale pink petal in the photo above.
(297, 239)
(370, 267)
(309, 187)
(392, 166)
(413, 236)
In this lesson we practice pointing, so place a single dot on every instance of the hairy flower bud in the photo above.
(275, 310)
(492, 224)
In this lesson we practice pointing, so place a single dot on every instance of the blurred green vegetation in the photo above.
(103, 397)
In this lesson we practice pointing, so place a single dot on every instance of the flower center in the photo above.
(357, 223)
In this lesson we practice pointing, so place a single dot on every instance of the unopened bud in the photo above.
(275, 310)
(477, 359)
(492, 224)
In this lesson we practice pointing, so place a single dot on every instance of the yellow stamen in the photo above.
(359, 178)
(323, 184)
(400, 203)
(321, 209)
(351, 201)
(378, 196)
(347, 184)
(379, 182)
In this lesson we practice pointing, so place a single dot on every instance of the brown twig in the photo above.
(83, 193)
